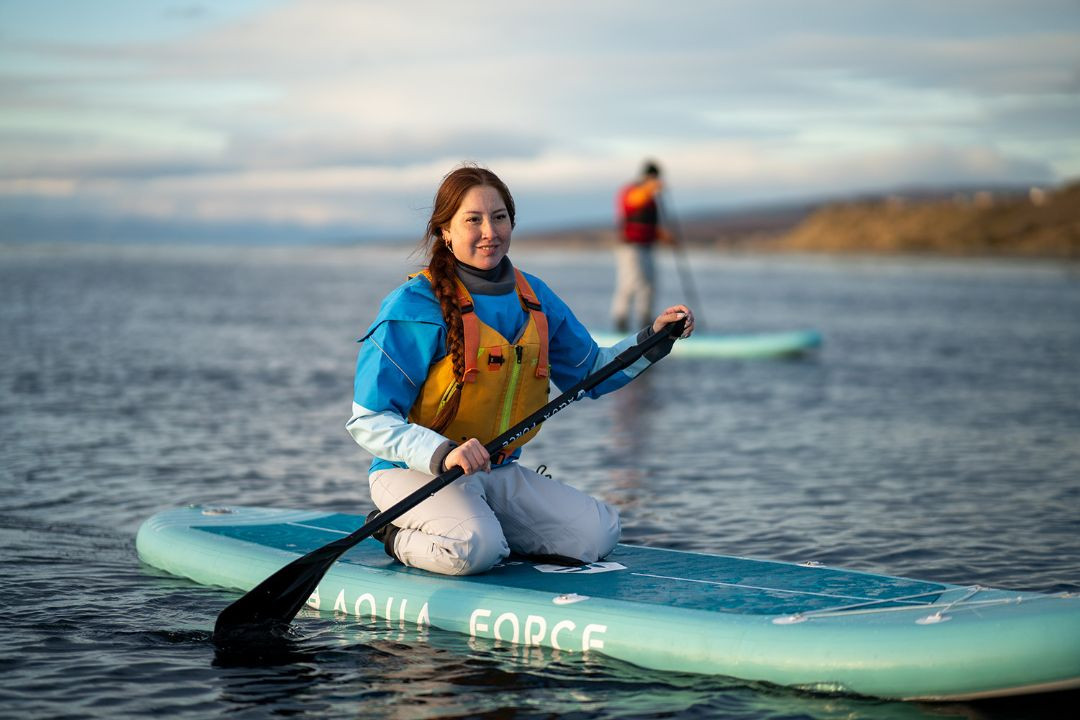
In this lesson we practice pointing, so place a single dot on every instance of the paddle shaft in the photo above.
(277, 599)
(680, 257)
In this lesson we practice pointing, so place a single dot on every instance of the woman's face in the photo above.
(479, 232)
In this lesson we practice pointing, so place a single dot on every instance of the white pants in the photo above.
(477, 520)
(635, 278)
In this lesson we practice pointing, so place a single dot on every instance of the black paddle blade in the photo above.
(270, 605)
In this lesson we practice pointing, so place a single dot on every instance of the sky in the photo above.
(334, 120)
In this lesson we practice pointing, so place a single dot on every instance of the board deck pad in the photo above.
(801, 625)
(641, 574)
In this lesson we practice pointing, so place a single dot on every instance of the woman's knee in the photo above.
(604, 533)
(482, 551)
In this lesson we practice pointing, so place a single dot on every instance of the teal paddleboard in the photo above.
(744, 345)
(811, 627)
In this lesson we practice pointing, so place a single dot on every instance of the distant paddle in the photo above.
(685, 275)
(273, 603)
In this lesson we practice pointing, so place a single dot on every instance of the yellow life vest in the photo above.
(504, 381)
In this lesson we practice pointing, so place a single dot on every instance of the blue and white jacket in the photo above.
(409, 335)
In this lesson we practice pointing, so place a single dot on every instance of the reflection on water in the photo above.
(936, 434)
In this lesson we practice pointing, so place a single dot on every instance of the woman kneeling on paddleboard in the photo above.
(457, 355)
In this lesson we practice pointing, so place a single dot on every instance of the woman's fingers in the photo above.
(471, 456)
(674, 314)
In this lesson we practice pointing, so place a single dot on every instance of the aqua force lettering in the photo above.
(507, 626)
(533, 630)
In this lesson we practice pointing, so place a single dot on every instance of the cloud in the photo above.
(338, 113)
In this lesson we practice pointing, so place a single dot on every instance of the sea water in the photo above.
(935, 434)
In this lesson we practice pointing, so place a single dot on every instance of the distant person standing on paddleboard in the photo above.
(457, 354)
(639, 228)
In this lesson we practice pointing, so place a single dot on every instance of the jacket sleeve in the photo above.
(391, 366)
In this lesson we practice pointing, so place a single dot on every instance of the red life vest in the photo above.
(638, 216)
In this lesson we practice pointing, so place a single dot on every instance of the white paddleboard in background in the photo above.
(735, 345)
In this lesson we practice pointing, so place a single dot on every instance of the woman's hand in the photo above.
(674, 314)
(471, 456)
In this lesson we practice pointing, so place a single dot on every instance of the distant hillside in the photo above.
(1040, 223)
(1007, 222)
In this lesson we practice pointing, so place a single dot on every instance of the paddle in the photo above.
(680, 257)
(271, 604)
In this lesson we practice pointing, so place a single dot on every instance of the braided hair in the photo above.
(443, 268)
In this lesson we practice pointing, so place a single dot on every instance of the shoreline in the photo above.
(403, 255)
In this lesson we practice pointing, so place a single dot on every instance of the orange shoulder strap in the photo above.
(528, 299)
(470, 324)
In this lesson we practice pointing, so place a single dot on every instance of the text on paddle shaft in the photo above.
(508, 626)
(512, 438)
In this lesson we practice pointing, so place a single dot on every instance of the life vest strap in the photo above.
(471, 327)
(528, 299)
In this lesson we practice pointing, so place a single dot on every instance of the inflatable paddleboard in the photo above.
(811, 627)
(751, 345)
